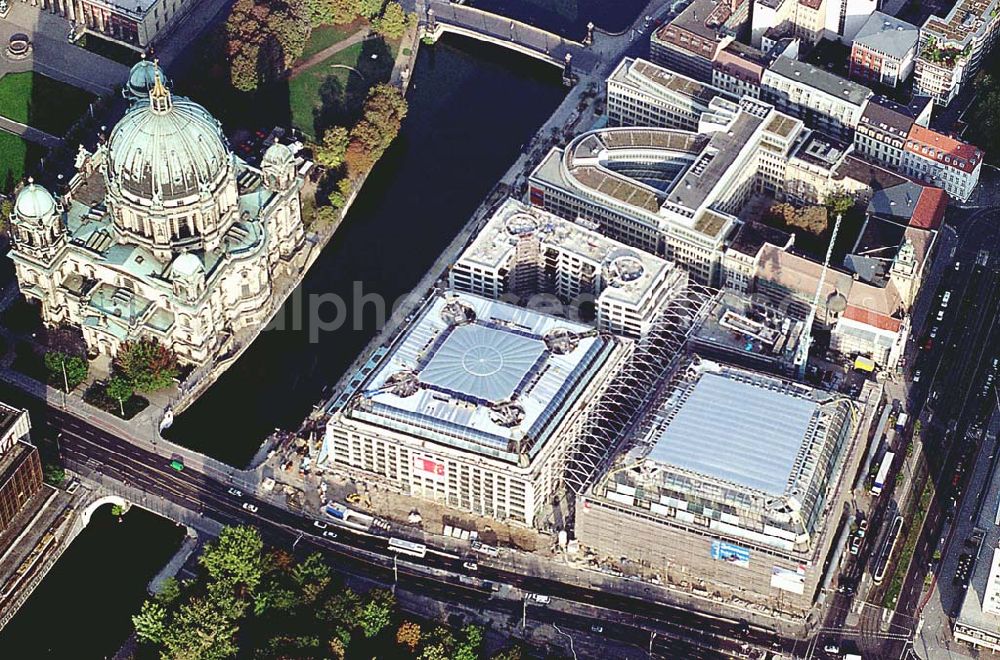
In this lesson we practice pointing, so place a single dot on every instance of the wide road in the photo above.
(678, 632)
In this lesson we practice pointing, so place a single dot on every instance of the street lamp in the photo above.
(569, 637)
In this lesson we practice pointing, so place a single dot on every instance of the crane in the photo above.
(802, 355)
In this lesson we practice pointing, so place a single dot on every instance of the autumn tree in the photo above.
(813, 219)
(408, 635)
(263, 38)
(147, 364)
(383, 114)
(331, 151)
(333, 12)
(393, 21)
(369, 8)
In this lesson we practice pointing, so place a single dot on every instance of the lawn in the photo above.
(36, 100)
(327, 35)
(333, 91)
(16, 157)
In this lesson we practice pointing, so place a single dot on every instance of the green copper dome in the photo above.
(167, 149)
(34, 202)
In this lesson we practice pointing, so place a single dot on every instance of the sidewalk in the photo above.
(29, 133)
(55, 57)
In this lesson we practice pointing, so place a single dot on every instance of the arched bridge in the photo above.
(439, 16)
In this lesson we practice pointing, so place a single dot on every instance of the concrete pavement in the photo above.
(53, 56)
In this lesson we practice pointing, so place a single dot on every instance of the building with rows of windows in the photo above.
(525, 254)
(476, 404)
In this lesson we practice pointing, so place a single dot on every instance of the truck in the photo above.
(901, 421)
(883, 473)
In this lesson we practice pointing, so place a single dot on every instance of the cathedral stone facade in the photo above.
(163, 232)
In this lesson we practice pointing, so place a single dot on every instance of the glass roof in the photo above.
(482, 362)
(742, 432)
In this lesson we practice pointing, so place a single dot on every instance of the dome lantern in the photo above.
(159, 95)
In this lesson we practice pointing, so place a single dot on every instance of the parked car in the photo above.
(540, 598)
(252, 508)
(855, 545)
(235, 492)
(470, 565)
(916, 376)
(862, 528)
(319, 524)
(330, 535)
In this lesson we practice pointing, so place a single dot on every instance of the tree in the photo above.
(839, 203)
(338, 650)
(440, 646)
(393, 22)
(513, 653)
(200, 631)
(117, 510)
(235, 558)
(333, 148)
(468, 648)
(376, 612)
(54, 474)
(383, 114)
(263, 38)
(369, 8)
(6, 209)
(147, 364)
(408, 635)
(813, 219)
(170, 591)
(121, 390)
(150, 622)
(67, 371)
(312, 576)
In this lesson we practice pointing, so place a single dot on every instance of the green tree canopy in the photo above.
(151, 622)
(839, 203)
(393, 22)
(236, 558)
(65, 370)
(369, 8)
(170, 591)
(330, 153)
(264, 37)
(376, 612)
(121, 390)
(200, 631)
(147, 364)
(54, 474)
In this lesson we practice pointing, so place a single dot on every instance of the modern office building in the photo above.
(525, 254)
(20, 465)
(823, 100)
(670, 192)
(884, 126)
(689, 43)
(163, 232)
(734, 485)
(942, 161)
(475, 404)
(952, 49)
(640, 93)
(883, 50)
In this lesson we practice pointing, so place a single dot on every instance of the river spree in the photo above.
(84, 606)
(472, 107)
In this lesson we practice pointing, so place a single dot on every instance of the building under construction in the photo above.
(733, 483)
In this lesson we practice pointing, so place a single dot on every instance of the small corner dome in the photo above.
(186, 265)
(34, 202)
(277, 154)
(141, 79)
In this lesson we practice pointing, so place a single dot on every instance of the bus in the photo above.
(177, 465)
(407, 547)
(883, 473)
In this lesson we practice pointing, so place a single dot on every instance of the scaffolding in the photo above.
(633, 390)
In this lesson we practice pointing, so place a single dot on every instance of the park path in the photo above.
(356, 38)
(29, 133)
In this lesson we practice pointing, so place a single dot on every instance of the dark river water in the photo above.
(472, 107)
(82, 610)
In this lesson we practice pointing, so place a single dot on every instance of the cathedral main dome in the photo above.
(167, 149)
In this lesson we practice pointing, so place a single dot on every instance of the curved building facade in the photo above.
(164, 231)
